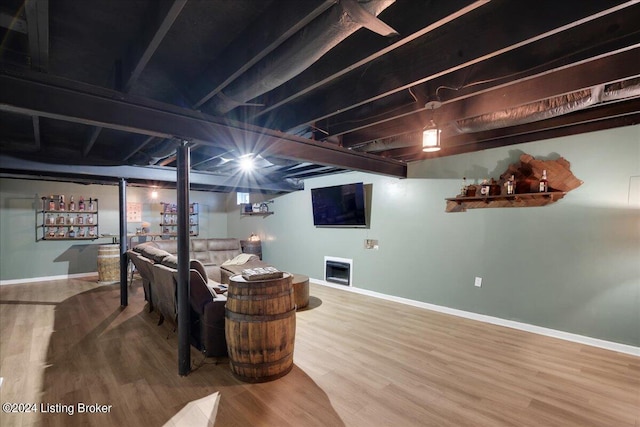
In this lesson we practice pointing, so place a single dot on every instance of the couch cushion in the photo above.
(170, 261)
(199, 245)
(194, 264)
(155, 254)
(203, 257)
(218, 257)
(170, 245)
(229, 244)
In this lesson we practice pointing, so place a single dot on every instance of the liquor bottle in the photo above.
(50, 219)
(52, 203)
(79, 219)
(51, 232)
(62, 205)
(72, 233)
(544, 184)
(463, 189)
(484, 187)
(60, 232)
(92, 232)
(511, 185)
(91, 207)
(60, 219)
(81, 204)
(69, 220)
(89, 219)
(80, 231)
(72, 204)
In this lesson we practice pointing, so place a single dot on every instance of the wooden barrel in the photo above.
(108, 264)
(260, 328)
(251, 247)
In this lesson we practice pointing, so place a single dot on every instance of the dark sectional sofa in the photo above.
(156, 262)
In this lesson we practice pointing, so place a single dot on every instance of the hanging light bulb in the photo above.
(431, 133)
(431, 138)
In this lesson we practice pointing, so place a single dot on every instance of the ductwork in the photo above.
(303, 49)
(529, 113)
(619, 90)
(551, 107)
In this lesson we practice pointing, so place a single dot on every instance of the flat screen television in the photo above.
(340, 206)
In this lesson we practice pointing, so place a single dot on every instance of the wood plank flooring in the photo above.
(359, 361)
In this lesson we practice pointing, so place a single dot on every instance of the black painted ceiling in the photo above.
(307, 87)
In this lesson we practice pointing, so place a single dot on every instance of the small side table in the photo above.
(301, 290)
(251, 247)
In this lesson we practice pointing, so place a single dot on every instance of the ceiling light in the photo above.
(431, 138)
(246, 164)
(431, 133)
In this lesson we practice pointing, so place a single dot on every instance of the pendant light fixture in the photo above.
(431, 132)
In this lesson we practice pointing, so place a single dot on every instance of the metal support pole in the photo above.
(124, 295)
(184, 348)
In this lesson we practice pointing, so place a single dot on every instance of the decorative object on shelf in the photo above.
(254, 238)
(261, 209)
(169, 219)
(69, 223)
(525, 178)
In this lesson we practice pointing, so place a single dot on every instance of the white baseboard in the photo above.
(567, 336)
(46, 278)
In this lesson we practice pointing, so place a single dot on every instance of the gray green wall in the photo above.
(22, 257)
(572, 266)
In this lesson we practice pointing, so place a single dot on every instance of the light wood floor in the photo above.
(359, 361)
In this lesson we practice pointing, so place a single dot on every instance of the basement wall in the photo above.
(572, 266)
(22, 257)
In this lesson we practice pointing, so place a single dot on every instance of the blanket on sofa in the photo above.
(239, 259)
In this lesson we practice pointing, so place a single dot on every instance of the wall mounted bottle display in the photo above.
(527, 183)
(169, 219)
(58, 220)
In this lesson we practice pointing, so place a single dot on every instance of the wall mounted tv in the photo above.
(340, 206)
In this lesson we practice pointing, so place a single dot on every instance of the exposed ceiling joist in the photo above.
(13, 23)
(606, 69)
(37, 12)
(447, 16)
(13, 165)
(356, 91)
(153, 33)
(22, 96)
(245, 52)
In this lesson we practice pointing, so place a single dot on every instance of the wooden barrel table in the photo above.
(301, 290)
(260, 327)
(108, 264)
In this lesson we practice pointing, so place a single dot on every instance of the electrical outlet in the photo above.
(370, 244)
(478, 282)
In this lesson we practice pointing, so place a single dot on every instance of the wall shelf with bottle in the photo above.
(61, 220)
(527, 183)
(169, 219)
(256, 209)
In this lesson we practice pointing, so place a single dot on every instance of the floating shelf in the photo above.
(256, 213)
(461, 204)
(527, 174)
